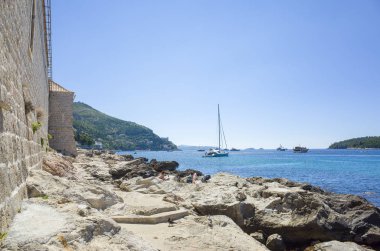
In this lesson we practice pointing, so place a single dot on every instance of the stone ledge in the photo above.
(152, 219)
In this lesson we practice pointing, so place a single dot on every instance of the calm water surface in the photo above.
(342, 171)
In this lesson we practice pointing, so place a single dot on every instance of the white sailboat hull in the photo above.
(216, 155)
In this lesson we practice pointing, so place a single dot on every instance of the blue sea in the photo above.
(341, 171)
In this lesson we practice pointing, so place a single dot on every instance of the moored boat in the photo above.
(300, 149)
(219, 152)
(216, 153)
(281, 148)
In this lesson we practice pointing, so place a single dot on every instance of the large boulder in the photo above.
(101, 175)
(238, 211)
(301, 217)
(122, 168)
(188, 172)
(34, 190)
(259, 236)
(160, 166)
(275, 243)
(58, 165)
(337, 246)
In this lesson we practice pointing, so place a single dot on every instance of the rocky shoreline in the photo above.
(103, 201)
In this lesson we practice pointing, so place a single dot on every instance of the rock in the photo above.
(97, 152)
(57, 165)
(122, 168)
(144, 185)
(371, 237)
(238, 211)
(89, 154)
(36, 223)
(125, 187)
(120, 171)
(259, 236)
(198, 233)
(337, 246)
(188, 172)
(172, 198)
(275, 243)
(101, 175)
(53, 227)
(124, 240)
(160, 166)
(314, 216)
(98, 197)
(127, 157)
(73, 190)
(112, 158)
(142, 170)
(105, 226)
(34, 191)
(82, 212)
(241, 196)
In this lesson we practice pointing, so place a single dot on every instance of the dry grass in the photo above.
(5, 106)
(40, 114)
(64, 243)
(28, 107)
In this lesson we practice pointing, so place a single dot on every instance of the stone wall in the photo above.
(23, 99)
(61, 120)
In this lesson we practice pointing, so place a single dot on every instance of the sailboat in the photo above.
(219, 152)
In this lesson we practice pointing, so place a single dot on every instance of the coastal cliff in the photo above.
(101, 201)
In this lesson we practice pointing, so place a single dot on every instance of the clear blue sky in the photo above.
(284, 72)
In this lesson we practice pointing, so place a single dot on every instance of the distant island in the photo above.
(92, 126)
(357, 143)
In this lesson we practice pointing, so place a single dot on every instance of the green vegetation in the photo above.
(36, 126)
(91, 125)
(364, 142)
(84, 138)
(45, 197)
(3, 236)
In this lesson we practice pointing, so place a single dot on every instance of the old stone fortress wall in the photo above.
(31, 105)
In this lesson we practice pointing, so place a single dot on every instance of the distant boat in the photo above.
(234, 150)
(201, 150)
(281, 148)
(218, 152)
(300, 149)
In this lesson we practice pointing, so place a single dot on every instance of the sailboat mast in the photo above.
(219, 127)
